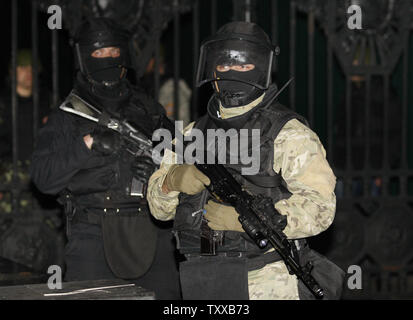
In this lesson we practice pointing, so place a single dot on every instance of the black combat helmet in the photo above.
(97, 33)
(238, 60)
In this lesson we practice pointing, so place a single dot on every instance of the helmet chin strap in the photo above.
(235, 94)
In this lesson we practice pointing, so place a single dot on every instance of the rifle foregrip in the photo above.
(253, 232)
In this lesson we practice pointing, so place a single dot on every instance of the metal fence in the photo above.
(30, 230)
(368, 134)
(352, 85)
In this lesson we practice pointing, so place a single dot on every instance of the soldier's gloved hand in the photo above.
(222, 217)
(92, 180)
(186, 178)
(106, 142)
(142, 168)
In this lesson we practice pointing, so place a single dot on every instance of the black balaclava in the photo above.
(237, 43)
(97, 33)
(234, 93)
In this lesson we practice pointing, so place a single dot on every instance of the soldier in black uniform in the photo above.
(110, 231)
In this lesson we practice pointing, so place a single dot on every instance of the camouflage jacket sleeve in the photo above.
(301, 159)
(163, 206)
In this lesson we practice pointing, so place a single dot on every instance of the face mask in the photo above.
(104, 69)
(233, 93)
(107, 75)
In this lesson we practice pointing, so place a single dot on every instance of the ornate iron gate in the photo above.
(368, 140)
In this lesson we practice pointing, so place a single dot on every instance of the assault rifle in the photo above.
(259, 219)
(135, 142)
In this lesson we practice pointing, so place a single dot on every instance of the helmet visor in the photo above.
(88, 43)
(88, 60)
(218, 57)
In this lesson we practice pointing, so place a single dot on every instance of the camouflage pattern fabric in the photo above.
(301, 159)
(6, 176)
(273, 282)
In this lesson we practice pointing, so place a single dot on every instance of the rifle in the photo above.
(136, 143)
(259, 219)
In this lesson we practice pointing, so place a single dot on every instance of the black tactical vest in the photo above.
(141, 112)
(269, 118)
(128, 232)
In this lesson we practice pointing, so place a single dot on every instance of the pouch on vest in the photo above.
(329, 276)
(214, 278)
(129, 242)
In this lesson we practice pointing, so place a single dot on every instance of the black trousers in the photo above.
(85, 260)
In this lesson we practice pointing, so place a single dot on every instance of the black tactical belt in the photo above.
(188, 244)
(94, 215)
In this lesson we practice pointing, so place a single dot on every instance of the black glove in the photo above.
(92, 180)
(142, 168)
(106, 142)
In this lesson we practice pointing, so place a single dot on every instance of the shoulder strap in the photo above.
(282, 116)
(260, 181)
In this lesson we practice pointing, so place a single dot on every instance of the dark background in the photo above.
(224, 13)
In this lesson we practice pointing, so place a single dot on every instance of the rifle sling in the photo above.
(260, 181)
